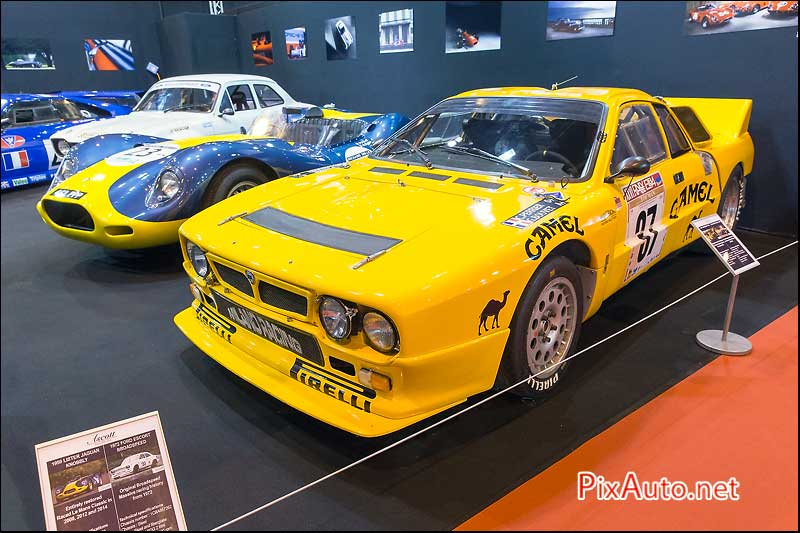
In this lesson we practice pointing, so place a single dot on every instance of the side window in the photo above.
(689, 119)
(23, 115)
(267, 96)
(638, 134)
(225, 101)
(241, 97)
(675, 138)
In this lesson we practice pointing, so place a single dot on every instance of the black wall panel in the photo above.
(196, 43)
(66, 25)
(649, 52)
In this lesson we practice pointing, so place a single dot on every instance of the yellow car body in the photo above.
(458, 249)
(73, 489)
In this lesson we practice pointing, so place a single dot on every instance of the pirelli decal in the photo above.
(214, 322)
(354, 394)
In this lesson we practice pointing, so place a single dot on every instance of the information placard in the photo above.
(725, 244)
(114, 478)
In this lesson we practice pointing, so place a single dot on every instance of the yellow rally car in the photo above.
(463, 253)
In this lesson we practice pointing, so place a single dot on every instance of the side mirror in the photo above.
(227, 111)
(630, 167)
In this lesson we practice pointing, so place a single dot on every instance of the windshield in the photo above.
(193, 99)
(546, 138)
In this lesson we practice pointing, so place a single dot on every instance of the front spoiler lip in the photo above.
(286, 389)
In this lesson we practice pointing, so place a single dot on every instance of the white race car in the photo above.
(190, 106)
(133, 464)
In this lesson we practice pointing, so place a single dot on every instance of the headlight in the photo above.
(67, 168)
(167, 186)
(380, 332)
(61, 146)
(336, 318)
(198, 259)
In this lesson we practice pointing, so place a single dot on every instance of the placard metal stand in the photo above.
(737, 258)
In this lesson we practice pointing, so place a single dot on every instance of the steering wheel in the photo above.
(542, 155)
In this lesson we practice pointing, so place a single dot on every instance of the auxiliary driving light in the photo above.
(373, 380)
(198, 295)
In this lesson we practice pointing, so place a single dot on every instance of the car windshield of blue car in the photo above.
(190, 99)
(546, 138)
(320, 131)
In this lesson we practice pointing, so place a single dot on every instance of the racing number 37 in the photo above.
(648, 239)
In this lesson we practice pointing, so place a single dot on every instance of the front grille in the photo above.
(68, 215)
(235, 279)
(282, 299)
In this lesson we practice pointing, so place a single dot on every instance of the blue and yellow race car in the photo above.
(134, 191)
(28, 121)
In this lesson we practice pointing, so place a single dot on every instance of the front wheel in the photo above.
(544, 330)
(705, 24)
(756, 9)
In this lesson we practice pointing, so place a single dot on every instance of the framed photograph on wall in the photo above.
(472, 26)
(109, 54)
(707, 18)
(262, 48)
(396, 31)
(340, 38)
(27, 54)
(296, 47)
(576, 20)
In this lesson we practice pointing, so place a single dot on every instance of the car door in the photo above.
(643, 231)
(695, 179)
(239, 97)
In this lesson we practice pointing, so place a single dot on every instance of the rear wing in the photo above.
(706, 118)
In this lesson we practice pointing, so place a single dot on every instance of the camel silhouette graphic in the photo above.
(492, 309)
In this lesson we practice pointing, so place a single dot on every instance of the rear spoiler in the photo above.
(722, 117)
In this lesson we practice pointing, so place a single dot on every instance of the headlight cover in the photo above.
(336, 318)
(61, 146)
(379, 332)
(166, 187)
(67, 168)
(197, 258)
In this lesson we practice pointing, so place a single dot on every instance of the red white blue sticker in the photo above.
(16, 160)
(11, 141)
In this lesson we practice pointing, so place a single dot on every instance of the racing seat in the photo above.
(239, 101)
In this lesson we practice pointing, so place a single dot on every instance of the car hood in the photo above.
(316, 231)
(168, 125)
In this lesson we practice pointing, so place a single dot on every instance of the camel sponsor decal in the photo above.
(692, 193)
(537, 211)
(492, 309)
(689, 233)
(547, 230)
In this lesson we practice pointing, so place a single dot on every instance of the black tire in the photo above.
(756, 9)
(231, 180)
(705, 24)
(135, 469)
(514, 366)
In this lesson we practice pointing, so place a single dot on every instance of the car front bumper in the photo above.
(93, 219)
(421, 385)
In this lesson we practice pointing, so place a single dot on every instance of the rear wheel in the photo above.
(705, 23)
(732, 200)
(232, 181)
(756, 9)
(544, 331)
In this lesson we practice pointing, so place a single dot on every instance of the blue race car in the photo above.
(28, 121)
(133, 191)
(126, 99)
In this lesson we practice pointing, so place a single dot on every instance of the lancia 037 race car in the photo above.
(28, 121)
(190, 106)
(463, 253)
(137, 197)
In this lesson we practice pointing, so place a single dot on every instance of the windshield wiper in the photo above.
(477, 152)
(182, 107)
(413, 148)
